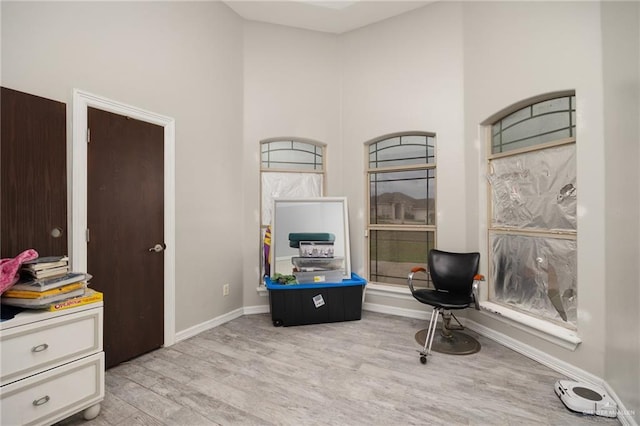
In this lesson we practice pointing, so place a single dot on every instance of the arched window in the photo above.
(402, 221)
(532, 217)
(289, 168)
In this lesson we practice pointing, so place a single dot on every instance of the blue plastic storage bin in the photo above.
(300, 304)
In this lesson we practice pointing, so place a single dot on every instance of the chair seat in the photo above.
(443, 299)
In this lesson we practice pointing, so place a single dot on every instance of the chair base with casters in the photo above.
(456, 285)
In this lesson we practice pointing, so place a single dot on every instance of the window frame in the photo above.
(527, 232)
(396, 227)
(321, 171)
(315, 144)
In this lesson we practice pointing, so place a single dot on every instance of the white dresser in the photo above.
(52, 365)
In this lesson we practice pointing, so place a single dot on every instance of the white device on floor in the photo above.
(585, 398)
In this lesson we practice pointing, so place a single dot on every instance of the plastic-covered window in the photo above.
(287, 185)
(536, 190)
(289, 169)
(533, 222)
(536, 275)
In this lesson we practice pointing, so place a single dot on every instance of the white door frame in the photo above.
(81, 102)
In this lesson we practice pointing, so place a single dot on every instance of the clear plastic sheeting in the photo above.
(287, 185)
(536, 275)
(535, 190)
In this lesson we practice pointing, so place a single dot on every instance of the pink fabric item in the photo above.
(9, 268)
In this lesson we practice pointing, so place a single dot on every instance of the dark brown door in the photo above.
(33, 175)
(125, 217)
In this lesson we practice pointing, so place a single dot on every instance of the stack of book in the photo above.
(45, 267)
(46, 283)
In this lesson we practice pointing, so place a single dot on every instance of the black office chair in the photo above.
(456, 279)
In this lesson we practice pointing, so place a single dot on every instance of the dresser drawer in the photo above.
(54, 394)
(38, 346)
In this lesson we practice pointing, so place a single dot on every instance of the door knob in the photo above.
(157, 248)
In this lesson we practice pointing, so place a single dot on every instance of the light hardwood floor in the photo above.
(367, 372)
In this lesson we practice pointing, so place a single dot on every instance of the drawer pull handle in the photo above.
(41, 401)
(40, 348)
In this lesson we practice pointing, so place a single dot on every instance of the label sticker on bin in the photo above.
(318, 300)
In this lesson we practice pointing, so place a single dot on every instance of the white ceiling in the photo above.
(327, 16)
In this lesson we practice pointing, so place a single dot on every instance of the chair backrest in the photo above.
(453, 272)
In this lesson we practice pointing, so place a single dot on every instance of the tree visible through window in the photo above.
(402, 220)
(532, 229)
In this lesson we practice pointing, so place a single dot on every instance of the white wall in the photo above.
(448, 67)
(405, 74)
(621, 40)
(291, 89)
(516, 50)
(179, 59)
(444, 68)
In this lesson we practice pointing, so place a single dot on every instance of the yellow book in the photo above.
(90, 296)
(42, 302)
(26, 294)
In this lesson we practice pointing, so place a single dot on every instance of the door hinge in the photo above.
(88, 135)
(87, 235)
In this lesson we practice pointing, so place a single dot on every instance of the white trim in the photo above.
(624, 416)
(256, 309)
(395, 292)
(555, 334)
(213, 323)
(402, 312)
(207, 325)
(537, 355)
(480, 329)
(571, 371)
(561, 336)
(81, 102)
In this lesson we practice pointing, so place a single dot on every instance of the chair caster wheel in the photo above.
(277, 323)
(423, 359)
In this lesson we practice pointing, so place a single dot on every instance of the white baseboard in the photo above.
(625, 416)
(402, 312)
(212, 323)
(207, 325)
(258, 309)
(543, 358)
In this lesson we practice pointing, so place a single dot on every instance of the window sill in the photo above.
(389, 290)
(553, 333)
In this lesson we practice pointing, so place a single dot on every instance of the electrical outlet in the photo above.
(225, 290)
